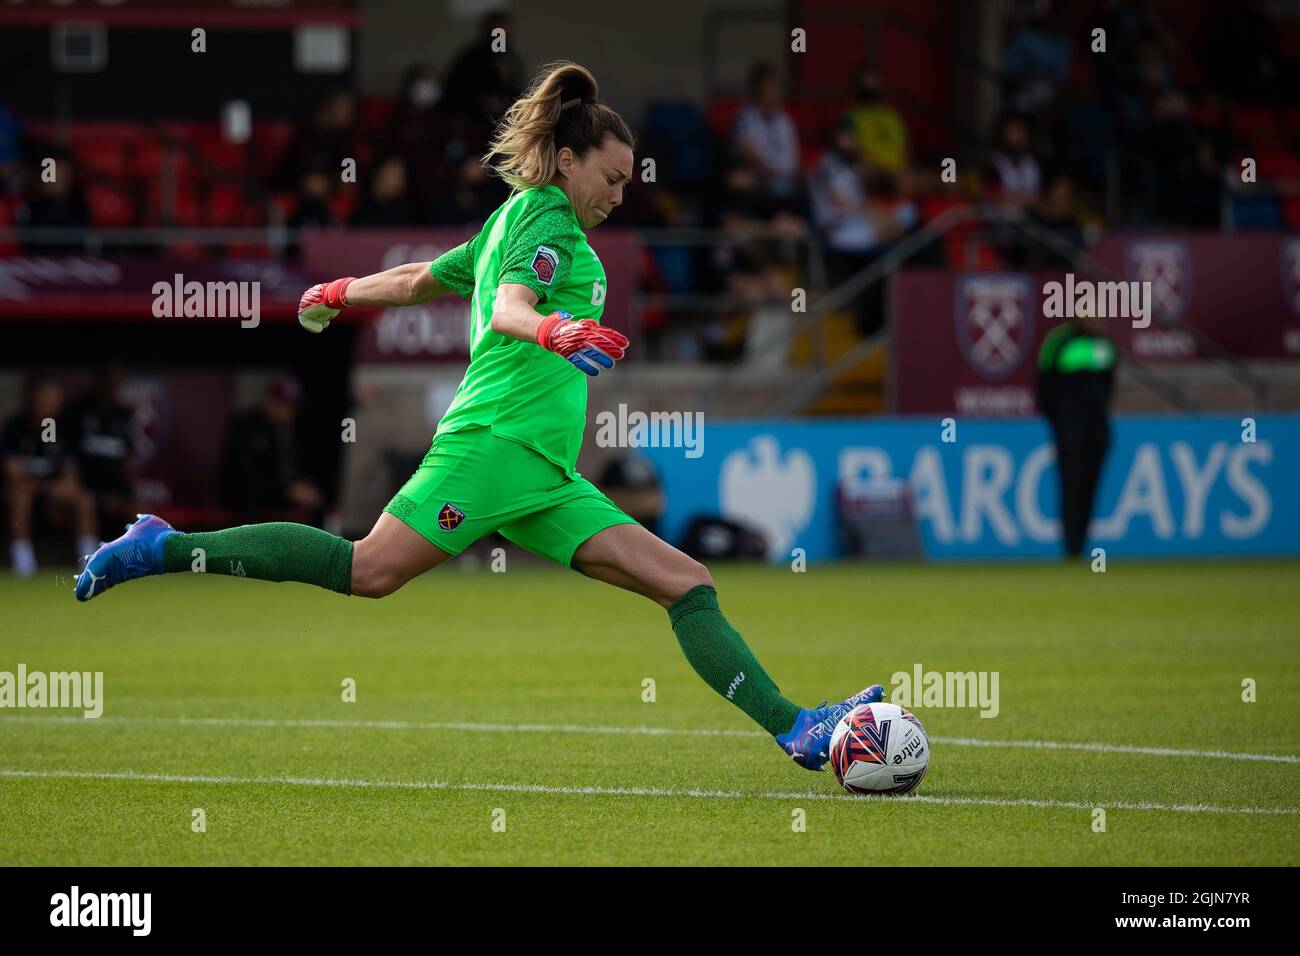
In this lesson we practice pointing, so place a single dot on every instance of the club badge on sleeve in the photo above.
(545, 262)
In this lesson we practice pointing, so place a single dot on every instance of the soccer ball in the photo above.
(879, 748)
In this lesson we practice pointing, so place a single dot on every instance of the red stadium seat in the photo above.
(722, 115)
(1257, 127)
(270, 139)
(102, 159)
(109, 206)
(228, 207)
(343, 203)
(809, 155)
(7, 245)
(805, 116)
(1276, 164)
(1291, 213)
(376, 116)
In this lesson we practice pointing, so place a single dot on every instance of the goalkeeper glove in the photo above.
(321, 303)
(587, 344)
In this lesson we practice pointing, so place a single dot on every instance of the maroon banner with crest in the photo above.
(967, 343)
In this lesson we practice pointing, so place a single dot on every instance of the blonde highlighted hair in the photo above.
(560, 109)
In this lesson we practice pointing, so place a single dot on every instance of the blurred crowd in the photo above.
(1074, 126)
(73, 467)
(1135, 137)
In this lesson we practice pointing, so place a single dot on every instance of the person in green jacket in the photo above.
(1076, 376)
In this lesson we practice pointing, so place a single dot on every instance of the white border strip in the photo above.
(138, 777)
(1104, 748)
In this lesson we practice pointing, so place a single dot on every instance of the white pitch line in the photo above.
(639, 731)
(1114, 749)
(137, 777)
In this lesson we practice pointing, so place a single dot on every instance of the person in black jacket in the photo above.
(39, 473)
(1076, 375)
(104, 441)
(260, 473)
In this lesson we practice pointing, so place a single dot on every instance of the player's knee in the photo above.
(694, 574)
(374, 583)
(372, 578)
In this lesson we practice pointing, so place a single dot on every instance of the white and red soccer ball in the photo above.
(879, 748)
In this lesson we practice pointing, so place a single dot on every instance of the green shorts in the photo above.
(472, 483)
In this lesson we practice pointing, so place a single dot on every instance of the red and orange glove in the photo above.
(587, 344)
(321, 303)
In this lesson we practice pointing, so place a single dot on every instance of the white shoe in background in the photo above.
(23, 558)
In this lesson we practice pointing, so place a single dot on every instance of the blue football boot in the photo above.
(136, 554)
(809, 740)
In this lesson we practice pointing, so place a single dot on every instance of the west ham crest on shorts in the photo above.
(450, 517)
(545, 262)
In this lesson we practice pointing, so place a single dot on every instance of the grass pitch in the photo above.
(499, 719)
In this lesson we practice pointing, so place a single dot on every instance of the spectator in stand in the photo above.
(260, 474)
(323, 140)
(1037, 60)
(765, 137)
(315, 190)
(431, 139)
(487, 74)
(386, 204)
(104, 439)
(40, 473)
(1181, 173)
(10, 151)
(1244, 59)
(59, 203)
(1056, 215)
(855, 228)
(1135, 68)
(1015, 177)
(474, 195)
(755, 263)
(851, 221)
(881, 131)
(1087, 129)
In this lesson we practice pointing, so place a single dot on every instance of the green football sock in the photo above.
(277, 551)
(722, 658)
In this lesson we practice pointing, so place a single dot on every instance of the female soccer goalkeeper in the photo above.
(503, 456)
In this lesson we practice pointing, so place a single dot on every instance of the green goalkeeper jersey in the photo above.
(518, 389)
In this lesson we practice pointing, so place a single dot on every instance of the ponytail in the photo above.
(560, 109)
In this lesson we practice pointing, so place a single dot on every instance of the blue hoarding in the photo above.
(1170, 485)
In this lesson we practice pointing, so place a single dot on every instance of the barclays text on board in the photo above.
(1170, 486)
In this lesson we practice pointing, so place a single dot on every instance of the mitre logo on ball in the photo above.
(995, 322)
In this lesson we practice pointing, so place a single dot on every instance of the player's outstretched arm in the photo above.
(407, 284)
(587, 344)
